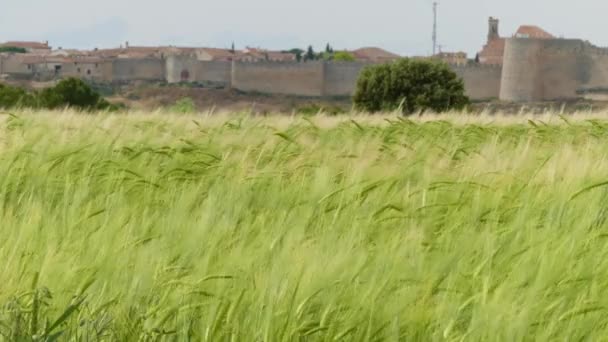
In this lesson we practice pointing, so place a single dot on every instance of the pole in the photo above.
(434, 28)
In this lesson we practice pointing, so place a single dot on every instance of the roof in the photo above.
(530, 31)
(27, 45)
(374, 53)
(260, 54)
(41, 59)
(217, 53)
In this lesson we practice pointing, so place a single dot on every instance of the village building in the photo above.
(453, 58)
(493, 51)
(214, 54)
(259, 55)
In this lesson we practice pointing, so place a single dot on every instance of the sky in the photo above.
(400, 26)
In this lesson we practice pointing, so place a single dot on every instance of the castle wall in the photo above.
(189, 69)
(11, 65)
(215, 73)
(142, 69)
(181, 69)
(304, 79)
(481, 82)
(340, 78)
(521, 70)
(551, 69)
(88, 70)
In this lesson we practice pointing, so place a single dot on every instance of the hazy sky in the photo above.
(402, 26)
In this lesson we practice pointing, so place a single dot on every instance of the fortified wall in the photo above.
(482, 82)
(552, 69)
(313, 79)
(188, 69)
(305, 79)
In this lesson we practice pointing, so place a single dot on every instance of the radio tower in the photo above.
(434, 28)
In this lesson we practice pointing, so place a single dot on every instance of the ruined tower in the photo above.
(493, 29)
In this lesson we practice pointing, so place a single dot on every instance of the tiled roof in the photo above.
(530, 31)
(374, 54)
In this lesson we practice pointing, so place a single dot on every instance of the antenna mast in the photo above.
(434, 27)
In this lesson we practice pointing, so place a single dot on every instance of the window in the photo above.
(78, 70)
(88, 71)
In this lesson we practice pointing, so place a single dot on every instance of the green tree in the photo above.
(310, 54)
(297, 52)
(343, 56)
(71, 92)
(12, 49)
(329, 49)
(12, 97)
(410, 85)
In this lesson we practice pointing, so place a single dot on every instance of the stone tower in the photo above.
(493, 29)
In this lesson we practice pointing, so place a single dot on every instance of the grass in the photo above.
(228, 228)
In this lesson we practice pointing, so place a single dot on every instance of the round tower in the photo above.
(544, 69)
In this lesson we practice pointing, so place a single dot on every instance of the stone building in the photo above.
(453, 58)
(493, 51)
(261, 55)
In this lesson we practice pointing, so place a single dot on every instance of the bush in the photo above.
(185, 105)
(343, 56)
(13, 97)
(71, 92)
(12, 49)
(410, 86)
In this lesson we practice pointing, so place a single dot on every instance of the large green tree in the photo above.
(411, 85)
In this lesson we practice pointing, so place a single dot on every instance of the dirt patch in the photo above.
(207, 99)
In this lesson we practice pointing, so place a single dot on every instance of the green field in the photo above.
(228, 228)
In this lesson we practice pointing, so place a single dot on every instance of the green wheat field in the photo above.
(153, 227)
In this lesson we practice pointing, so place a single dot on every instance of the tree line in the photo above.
(70, 92)
(329, 54)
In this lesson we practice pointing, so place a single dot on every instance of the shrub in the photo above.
(410, 86)
(11, 97)
(343, 56)
(12, 49)
(71, 92)
(184, 105)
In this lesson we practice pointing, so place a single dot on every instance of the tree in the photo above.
(343, 56)
(12, 49)
(71, 92)
(297, 52)
(11, 97)
(310, 54)
(410, 85)
(329, 49)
